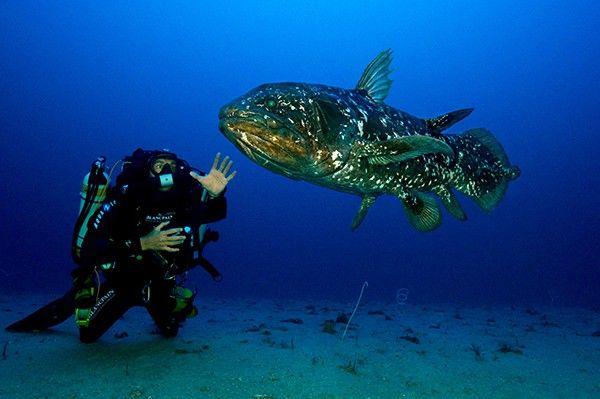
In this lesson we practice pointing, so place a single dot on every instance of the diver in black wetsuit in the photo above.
(141, 240)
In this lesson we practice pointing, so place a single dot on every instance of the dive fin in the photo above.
(366, 203)
(401, 149)
(48, 316)
(422, 211)
(443, 122)
(374, 80)
(451, 203)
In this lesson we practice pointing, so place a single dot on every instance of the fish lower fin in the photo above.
(483, 171)
(422, 211)
(401, 149)
(443, 122)
(365, 204)
(451, 202)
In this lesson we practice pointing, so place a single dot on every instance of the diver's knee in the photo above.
(169, 331)
(88, 336)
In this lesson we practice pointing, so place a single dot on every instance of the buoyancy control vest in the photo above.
(135, 179)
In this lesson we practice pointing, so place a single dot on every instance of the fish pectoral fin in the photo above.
(374, 81)
(443, 122)
(401, 149)
(365, 204)
(422, 211)
(450, 202)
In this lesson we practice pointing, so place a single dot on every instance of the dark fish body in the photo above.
(350, 141)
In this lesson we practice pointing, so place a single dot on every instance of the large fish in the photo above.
(350, 141)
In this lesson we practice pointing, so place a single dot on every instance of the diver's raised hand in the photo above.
(162, 240)
(216, 180)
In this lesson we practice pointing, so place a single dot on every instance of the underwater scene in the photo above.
(300, 199)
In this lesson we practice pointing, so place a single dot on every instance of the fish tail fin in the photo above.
(422, 211)
(482, 170)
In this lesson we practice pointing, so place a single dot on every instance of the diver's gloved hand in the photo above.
(216, 180)
(162, 240)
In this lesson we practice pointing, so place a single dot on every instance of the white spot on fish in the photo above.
(364, 114)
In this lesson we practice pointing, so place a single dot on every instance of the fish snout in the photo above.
(227, 111)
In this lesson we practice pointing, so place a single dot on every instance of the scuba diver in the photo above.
(135, 242)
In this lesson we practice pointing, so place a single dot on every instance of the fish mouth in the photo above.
(258, 137)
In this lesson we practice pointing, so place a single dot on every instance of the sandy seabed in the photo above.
(263, 349)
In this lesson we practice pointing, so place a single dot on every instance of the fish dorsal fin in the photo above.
(401, 149)
(443, 122)
(374, 81)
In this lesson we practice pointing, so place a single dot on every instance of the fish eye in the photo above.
(271, 103)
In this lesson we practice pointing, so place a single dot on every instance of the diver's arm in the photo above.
(215, 184)
(211, 210)
(100, 246)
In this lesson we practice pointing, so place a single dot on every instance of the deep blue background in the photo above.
(78, 80)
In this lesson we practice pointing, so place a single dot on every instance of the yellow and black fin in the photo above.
(422, 211)
(366, 203)
(374, 81)
(48, 316)
(451, 202)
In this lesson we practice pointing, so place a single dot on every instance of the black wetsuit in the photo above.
(134, 277)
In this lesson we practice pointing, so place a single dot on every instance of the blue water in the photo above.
(78, 80)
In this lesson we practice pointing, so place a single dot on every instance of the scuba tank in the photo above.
(93, 193)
